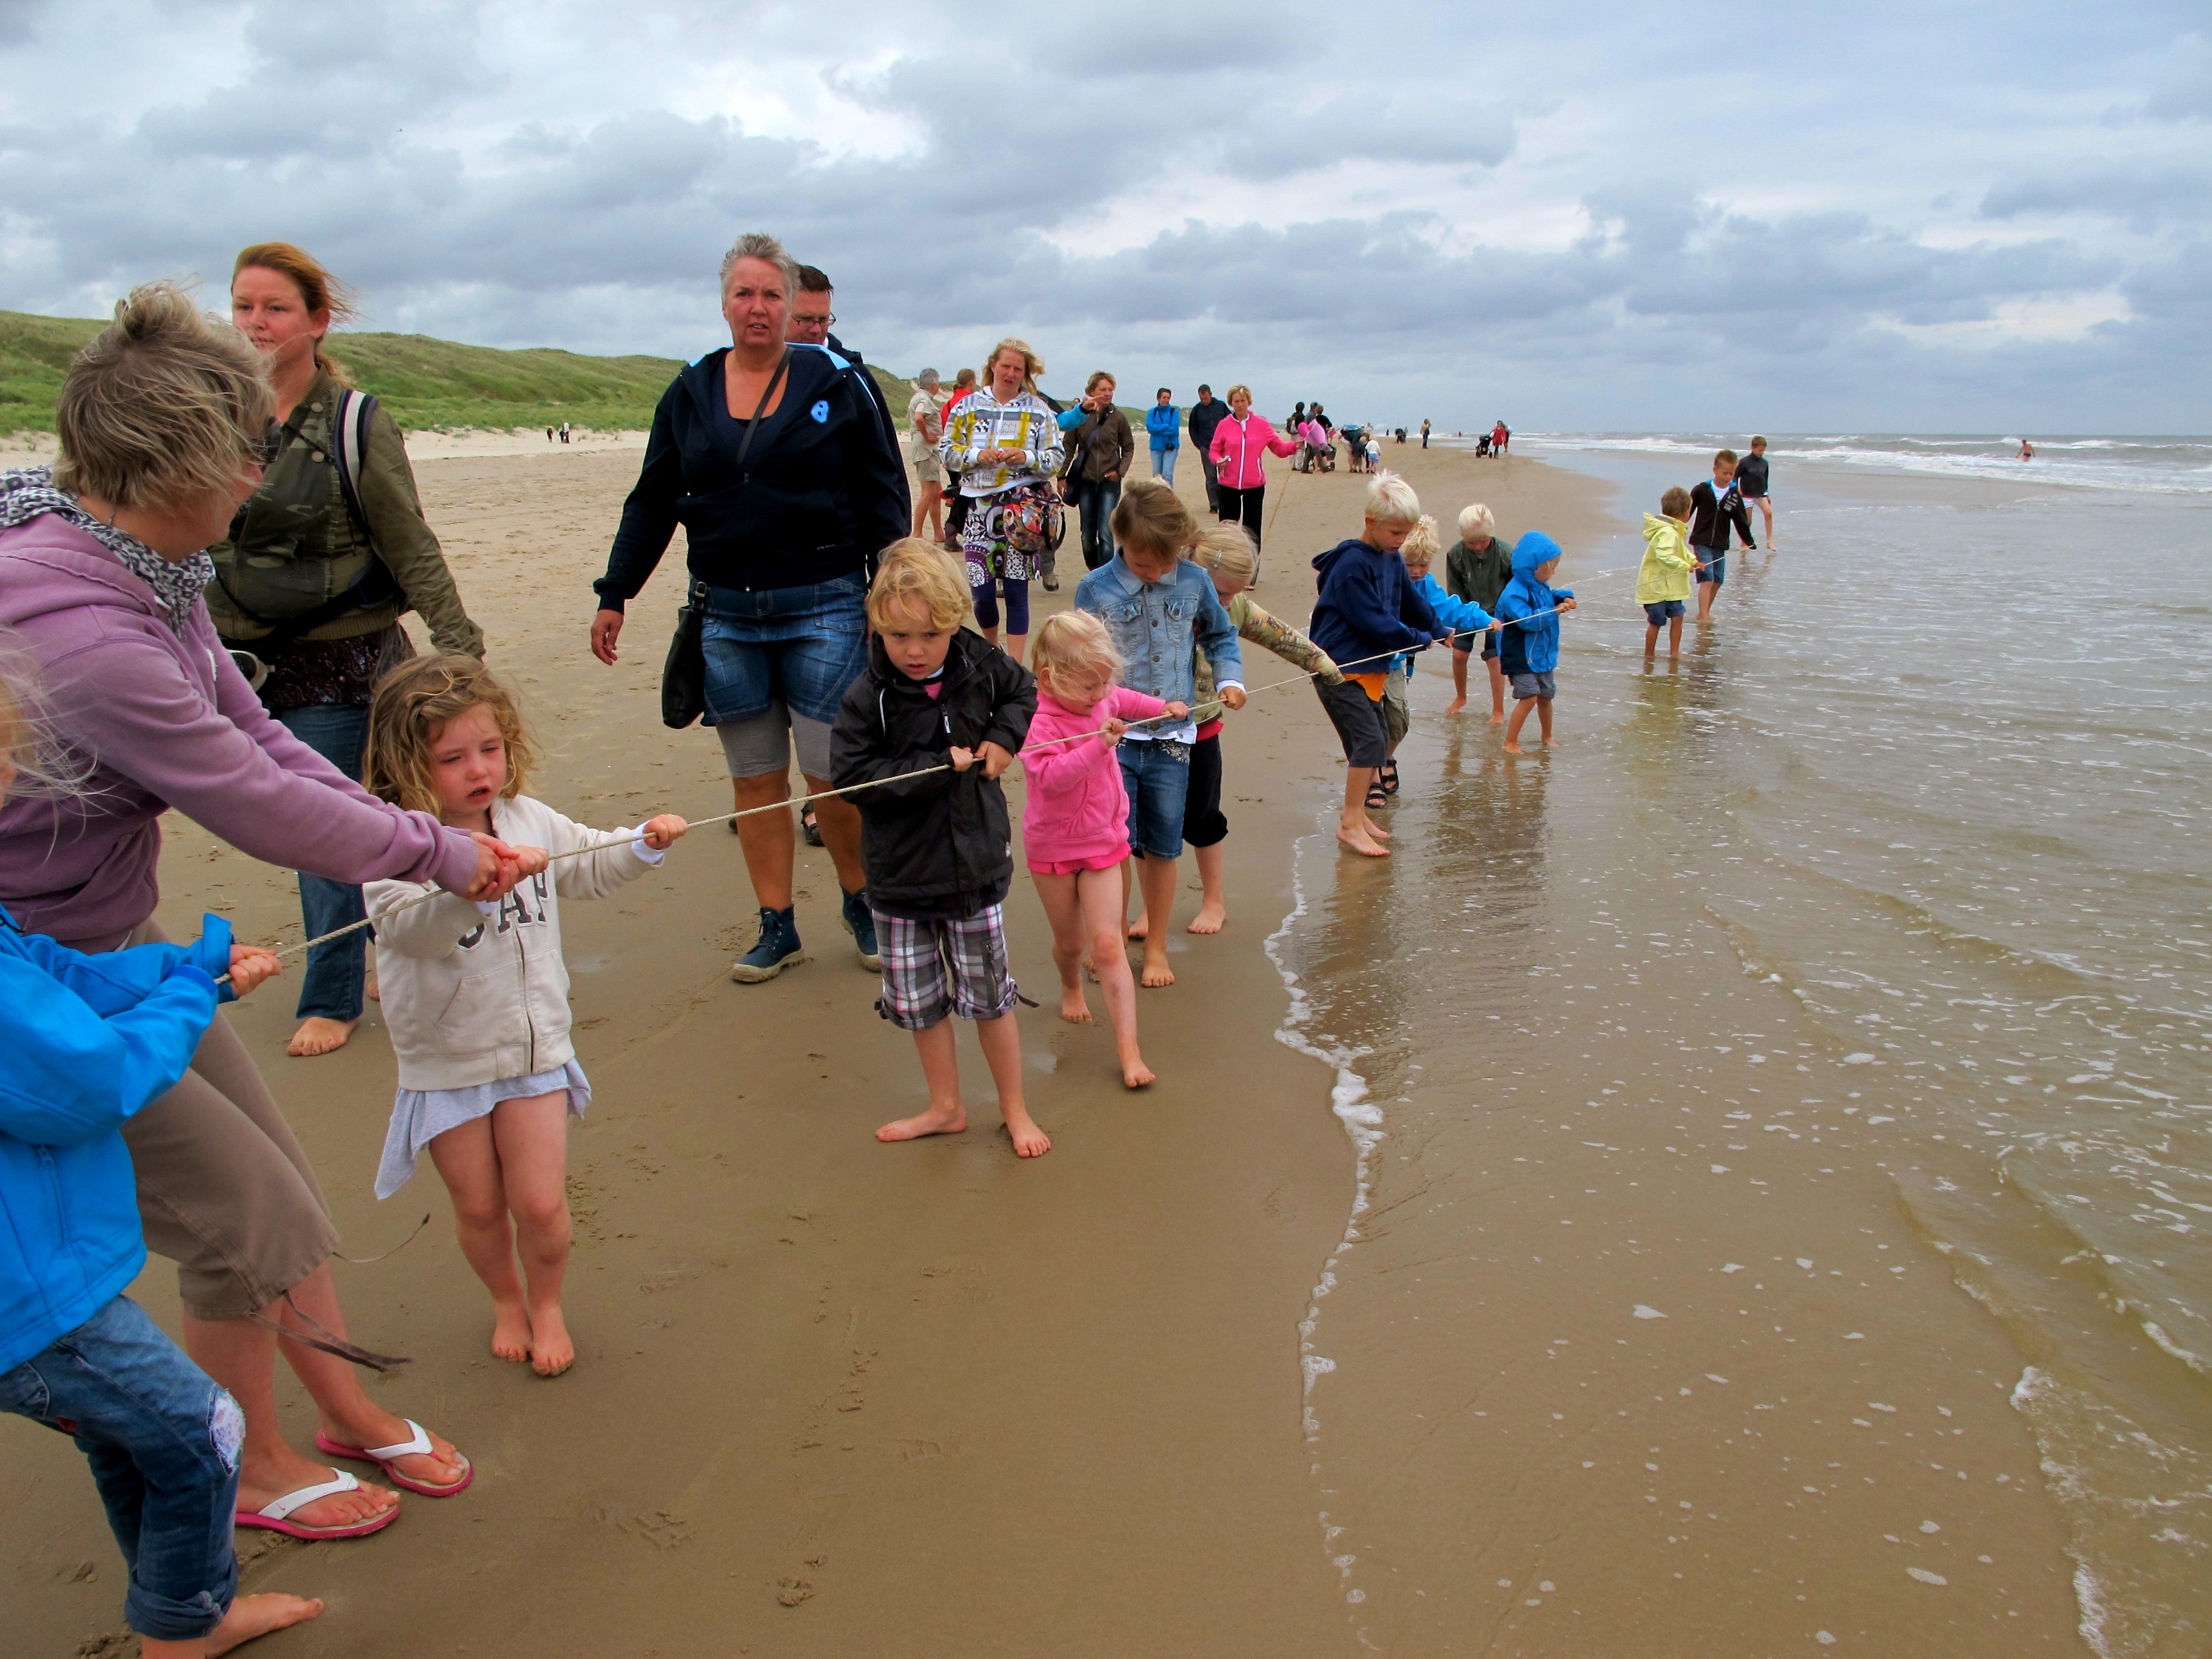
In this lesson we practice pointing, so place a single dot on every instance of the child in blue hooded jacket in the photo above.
(1528, 649)
(1368, 612)
(89, 1041)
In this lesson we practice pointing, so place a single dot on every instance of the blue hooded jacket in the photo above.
(1368, 608)
(86, 1042)
(1530, 647)
(1166, 429)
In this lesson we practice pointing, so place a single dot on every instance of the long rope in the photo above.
(1204, 712)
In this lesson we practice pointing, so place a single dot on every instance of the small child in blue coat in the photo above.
(90, 1040)
(1464, 617)
(1528, 649)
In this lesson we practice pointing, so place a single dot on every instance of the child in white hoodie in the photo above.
(475, 996)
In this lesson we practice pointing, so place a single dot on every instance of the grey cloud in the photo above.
(2183, 92)
(2143, 196)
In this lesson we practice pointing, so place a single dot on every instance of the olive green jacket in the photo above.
(298, 546)
(1269, 633)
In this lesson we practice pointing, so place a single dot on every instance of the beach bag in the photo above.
(683, 675)
(1031, 520)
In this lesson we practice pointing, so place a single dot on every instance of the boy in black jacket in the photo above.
(939, 715)
(1713, 509)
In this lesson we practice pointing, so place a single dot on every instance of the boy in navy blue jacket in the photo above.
(89, 1041)
(1369, 610)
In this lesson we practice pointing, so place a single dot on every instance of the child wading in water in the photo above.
(933, 722)
(1529, 647)
(1076, 831)
(475, 996)
(1662, 582)
(1225, 552)
(1369, 610)
(1156, 608)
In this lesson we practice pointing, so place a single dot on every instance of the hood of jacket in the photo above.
(1532, 550)
(1323, 562)
(1659, 531)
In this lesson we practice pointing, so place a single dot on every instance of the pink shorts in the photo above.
(1075, 866)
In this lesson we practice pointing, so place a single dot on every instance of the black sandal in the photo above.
(807, 828)
(1377, 796)
(1389, 780)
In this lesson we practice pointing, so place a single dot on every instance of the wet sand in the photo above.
(838, 1398)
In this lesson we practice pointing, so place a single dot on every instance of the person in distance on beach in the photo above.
(1075, 832)
(1165, 429)
(1662, 582)
(1207, 413)
(1005, 442)
(1099, 453)
(1367, 613)
(1157, 608)
(1240, 448)
(777, 461)
(1530, 610)
(924, 425)
(475, 999)
(1751, 478)
(1225, 553)
(1476, 570)
(936, 719)
(1715, 509)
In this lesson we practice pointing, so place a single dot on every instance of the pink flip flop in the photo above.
(385, 1456)
(273, 1517)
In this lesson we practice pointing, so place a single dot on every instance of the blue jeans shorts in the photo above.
(796, 647)
(1665, 608)
(1156, 771)
(1543, 686)
(163, 1442)
(1716, 571)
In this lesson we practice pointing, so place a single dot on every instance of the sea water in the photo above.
(1939, 777)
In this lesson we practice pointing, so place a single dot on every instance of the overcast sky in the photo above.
(1622, 215)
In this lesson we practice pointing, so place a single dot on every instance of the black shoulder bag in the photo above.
(684, 675)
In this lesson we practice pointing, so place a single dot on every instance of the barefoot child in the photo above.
(1529, 647)
(1075, 832)
(1367, 613)
(1662, 582)
(90, 1040)
(1715, 509)
(939, 714)
(1476, 569)
(1226, 553)
(1156, 608)
(1467, 622)
(475, 996)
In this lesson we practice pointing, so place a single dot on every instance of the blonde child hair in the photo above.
(28, 751)
(1228, 549)
(1420, 546)
(415, 702)
(1152, 519)
(914, 568)
(1391, 500)
(1476, 519)
(1070, 642)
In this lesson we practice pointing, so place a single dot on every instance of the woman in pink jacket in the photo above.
(1239, 452)
(1075, 828)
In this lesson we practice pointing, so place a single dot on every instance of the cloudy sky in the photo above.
(1625, 214)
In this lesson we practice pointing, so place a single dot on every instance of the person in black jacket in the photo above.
(774, 459)
(939, 715)
(1713, 509)
(1208, 412)
(1750, 481)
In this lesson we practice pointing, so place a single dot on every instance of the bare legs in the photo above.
(940, 1065)
(770, 844)
(930, 510)
(1353, 827)
(515, 1163)
(1543, 706)
(1214, 904)
(1674, 638)
(1085, 911)
(1459, 681)
(1497, 690)
(1156, 878)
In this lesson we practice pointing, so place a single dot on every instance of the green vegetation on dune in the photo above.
(427, 384)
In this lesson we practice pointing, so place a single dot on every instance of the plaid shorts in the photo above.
(919, 991)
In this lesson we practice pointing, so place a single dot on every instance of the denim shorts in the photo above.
(797, 648)
(1656, 613)
(1543, 686)
(1359, 722)
(1716, 571)
(1156, 771)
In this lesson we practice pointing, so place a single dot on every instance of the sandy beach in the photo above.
(836, 1398)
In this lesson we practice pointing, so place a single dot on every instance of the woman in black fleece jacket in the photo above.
(773, 459)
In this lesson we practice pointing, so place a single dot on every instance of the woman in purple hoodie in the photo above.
(102, 569)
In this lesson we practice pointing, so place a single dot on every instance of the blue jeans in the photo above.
(1100, 497)
(1163, 462)
(338, 972)
(1156, 773)
(163, 1442)
(799, 646)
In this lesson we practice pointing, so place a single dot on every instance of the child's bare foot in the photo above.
(1376, 831)
(551, 1352)
(1030, 1141)
(1209, 919)
(1135, 1074)
(1498, 717)
(318, 1036)
(375, 991)
(1140, 927)
(251, 1616)
(937, 1121)
(1073, 1007)
(1551, 742)
(510, 1331)
(1454, 705)
(1362, 843)
(1156, 972)
(1513, 748)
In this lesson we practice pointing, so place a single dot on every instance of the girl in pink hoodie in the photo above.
(1075, 828)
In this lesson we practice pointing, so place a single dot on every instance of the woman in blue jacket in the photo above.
(1165, 431)
(89, 1041)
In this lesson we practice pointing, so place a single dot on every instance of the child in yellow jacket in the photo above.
(1662, 583)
